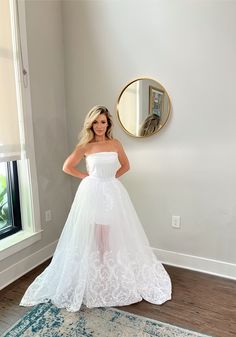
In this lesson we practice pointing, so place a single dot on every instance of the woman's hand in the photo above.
(84, 175)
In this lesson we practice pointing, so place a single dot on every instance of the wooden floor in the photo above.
(201, 302)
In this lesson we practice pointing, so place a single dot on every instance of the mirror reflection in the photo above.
(143, 107)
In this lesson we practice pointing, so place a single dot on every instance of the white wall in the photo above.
(188, 169)
(46, 69)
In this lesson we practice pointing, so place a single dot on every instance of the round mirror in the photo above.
(143, 107)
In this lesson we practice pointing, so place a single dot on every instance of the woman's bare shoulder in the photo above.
(116, 143)
(81, 149)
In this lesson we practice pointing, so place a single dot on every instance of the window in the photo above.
(10, 216)
(19, 203)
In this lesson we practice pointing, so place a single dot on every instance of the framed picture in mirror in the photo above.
(155, 101)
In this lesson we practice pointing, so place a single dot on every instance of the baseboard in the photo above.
(201, 264)
(208, 266)
(23, 266)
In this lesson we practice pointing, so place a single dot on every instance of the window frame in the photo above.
(27, 172)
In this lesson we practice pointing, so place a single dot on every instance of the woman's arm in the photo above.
(74, 159)
(124, 162)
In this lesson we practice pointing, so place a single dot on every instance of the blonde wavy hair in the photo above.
(87, 133)
(150, 125)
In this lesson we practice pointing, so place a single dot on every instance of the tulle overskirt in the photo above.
(103, 257)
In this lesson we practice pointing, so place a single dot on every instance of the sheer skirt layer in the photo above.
(103, 256)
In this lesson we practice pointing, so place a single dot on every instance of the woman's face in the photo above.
(100, 125)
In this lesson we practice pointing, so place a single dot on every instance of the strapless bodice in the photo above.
(102, 165)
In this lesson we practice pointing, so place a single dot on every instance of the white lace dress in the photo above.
(103, 256)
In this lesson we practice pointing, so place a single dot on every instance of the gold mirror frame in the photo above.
(155, 110)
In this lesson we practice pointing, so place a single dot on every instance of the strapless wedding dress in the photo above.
(103, 257)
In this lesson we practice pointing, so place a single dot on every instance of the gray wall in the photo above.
(46, 68)
(188, 169)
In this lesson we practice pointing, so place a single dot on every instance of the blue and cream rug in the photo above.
(45, 320)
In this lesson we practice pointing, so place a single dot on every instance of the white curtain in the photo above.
(10, 135)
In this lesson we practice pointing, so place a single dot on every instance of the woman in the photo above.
(103, 257)
(150, 125)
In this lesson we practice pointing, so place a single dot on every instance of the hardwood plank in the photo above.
(200, 302)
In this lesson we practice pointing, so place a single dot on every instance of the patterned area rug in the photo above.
(45, 320)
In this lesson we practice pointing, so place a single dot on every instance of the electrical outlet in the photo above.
(175, 221)
(48, 215)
